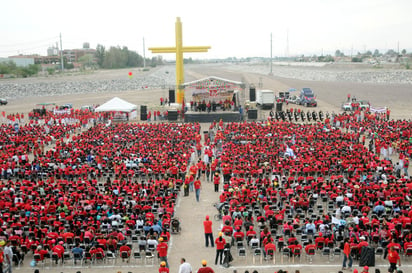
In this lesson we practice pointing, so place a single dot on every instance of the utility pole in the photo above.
(61, 53)
(144, 55)
(398, 48)
(271, 54)
(287, 43)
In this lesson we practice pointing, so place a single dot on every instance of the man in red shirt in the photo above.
(216, 181)
(162, 251)
(205, 268)
(207, 224)
(198, 186)
(125, 248)
(59, 250)
(270, 247)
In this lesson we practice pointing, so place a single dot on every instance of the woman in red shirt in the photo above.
(393, 258)
(220, 246)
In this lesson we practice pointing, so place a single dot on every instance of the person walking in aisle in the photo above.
(207, 224)
(185, 267)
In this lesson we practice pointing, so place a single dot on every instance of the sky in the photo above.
(233, 28)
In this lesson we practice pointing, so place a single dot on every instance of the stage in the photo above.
(226, 116)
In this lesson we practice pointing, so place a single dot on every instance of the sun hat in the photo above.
(204, 262)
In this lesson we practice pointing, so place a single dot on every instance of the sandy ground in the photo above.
(190, 242)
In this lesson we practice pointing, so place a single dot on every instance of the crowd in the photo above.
(285, 185)
(316, 185)
(93, 191)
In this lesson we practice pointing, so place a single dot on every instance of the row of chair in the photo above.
(75, 259)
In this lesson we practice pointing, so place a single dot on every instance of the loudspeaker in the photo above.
(279, 107)
(143, 109)
(252, 94)
(143, 116)
(172, 96)
(367, 256)
(172, 115)
(252, 114)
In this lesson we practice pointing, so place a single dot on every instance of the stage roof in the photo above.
(215, 82)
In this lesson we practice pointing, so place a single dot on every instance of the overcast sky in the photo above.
(233, 28)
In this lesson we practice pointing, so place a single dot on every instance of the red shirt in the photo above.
(125, 248)
(197, 184)
(162, 249)
(163, 270)
(208, 226)
(220, 244)
(205, 269)
(393, 257)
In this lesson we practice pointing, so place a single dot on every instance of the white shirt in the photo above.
(8, 252)
(185, 268)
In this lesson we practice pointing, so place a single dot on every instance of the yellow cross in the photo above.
(179, 49)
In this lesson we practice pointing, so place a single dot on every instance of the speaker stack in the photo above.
(172, 115)
(279, 107)
(252, 114)
(172, 96)
(143, 112)
(252, 94)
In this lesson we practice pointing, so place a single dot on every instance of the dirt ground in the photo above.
(190, 242)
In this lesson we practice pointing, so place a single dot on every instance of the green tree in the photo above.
(404, 52)
(87, 60)
(339, 53)
(100, 54)
(376, 53)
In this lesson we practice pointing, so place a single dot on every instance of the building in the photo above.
(22, 60)
(73, 55)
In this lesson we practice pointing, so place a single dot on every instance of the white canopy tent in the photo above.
(118, 105)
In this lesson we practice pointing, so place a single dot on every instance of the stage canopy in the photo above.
(117, 105)
(212, 88)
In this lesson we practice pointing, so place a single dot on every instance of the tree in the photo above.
(404, 52)
(87, 60)
(338, 53)
(100, 54)
(376, 53)
(391, 52)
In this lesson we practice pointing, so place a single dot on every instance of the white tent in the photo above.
(118, 105)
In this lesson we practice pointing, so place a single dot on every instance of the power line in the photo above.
(39, 47)
(30, 42)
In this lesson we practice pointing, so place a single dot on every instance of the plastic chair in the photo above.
(296, 253)
(271, 255)
(310, 254)
(257, 252)
(149, 256)
(137, 256)
(285, 252)
(111, 256)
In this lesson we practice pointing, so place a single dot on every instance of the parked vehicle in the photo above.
(355, 104)
(283, 96)
(91, 108)
(364, 104)
(347, 106)
(3, 101)
(307, 97)
(66, 106)
(293, 99)
(265, 98)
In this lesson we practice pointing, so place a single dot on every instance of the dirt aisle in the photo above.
(190, 243)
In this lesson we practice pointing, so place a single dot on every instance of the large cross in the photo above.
(179, 49)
